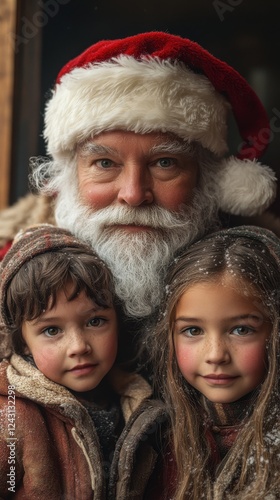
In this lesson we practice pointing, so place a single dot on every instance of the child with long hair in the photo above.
(68, 413)
(216, 352)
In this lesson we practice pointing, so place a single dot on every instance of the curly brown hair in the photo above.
(35, 286)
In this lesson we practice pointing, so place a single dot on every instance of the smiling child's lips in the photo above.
(82, 367)
(221, 379)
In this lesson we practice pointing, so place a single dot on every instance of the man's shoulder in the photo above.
(29, 210)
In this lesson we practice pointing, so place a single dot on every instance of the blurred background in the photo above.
(37, 37)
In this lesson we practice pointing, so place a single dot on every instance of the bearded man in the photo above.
(136, 130)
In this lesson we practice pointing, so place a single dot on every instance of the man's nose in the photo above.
(136, 186)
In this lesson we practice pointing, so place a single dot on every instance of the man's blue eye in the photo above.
(104, 163)
(165, 162)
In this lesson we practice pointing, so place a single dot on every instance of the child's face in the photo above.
(220, 339)
(74, 343)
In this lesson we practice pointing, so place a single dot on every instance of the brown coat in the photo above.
(50, 440)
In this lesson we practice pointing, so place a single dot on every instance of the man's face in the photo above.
(128, 169)
(136, 200)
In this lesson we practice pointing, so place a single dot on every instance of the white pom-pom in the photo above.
(245, 187)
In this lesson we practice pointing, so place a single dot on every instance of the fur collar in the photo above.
(32, 384)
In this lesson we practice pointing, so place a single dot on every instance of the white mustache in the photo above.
(153, 216)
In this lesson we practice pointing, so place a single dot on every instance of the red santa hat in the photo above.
(161, 82)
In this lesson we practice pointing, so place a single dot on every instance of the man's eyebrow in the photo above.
(93, 148)
(172, 147)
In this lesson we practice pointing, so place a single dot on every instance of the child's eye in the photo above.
(242, 330)
(192, 331)
(51, 331)
(96, 322)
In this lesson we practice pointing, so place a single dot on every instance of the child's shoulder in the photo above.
(16, 411)
(138, 448)
(9, 394)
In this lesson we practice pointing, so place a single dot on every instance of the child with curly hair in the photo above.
(68, 413)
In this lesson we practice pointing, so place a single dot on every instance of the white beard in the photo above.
(137, 260)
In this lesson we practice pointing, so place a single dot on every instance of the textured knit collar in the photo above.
(229, 414)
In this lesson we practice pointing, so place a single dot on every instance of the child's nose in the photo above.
(217, 351)
(78, 343)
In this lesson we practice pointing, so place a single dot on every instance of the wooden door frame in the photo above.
(20, 78)
(7, 26)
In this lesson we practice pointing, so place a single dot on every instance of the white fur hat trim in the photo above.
(139, 96)
(245, 187)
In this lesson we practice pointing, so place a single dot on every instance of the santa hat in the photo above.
(161, 82)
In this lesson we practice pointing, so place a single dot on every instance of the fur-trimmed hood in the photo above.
(31, 384)
(55, 433)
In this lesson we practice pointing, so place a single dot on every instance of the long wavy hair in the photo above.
(251, 469)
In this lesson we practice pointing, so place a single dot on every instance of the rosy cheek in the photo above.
(45, 361)
(185, 359)
(96, 195)
(253, 359)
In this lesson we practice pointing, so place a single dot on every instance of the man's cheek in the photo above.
(96, 196)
